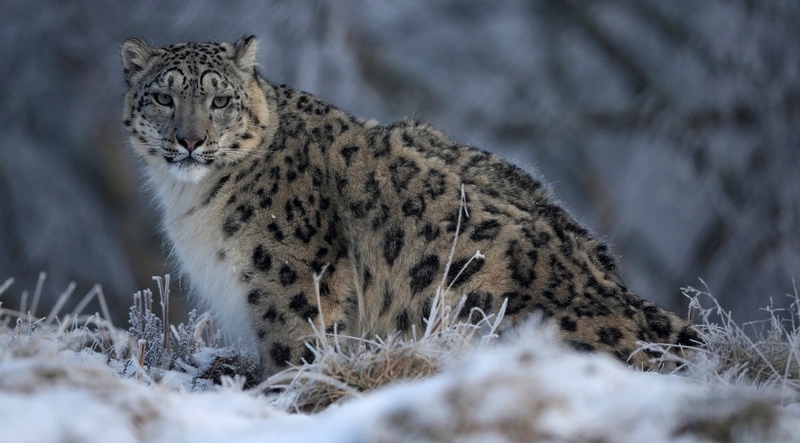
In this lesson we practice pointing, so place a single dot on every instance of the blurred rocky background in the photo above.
(672, 128)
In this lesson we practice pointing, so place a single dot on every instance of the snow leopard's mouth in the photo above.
(188, 168)
(185, 159)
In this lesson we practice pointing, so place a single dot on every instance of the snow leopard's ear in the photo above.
(135, 54)
(245, 53)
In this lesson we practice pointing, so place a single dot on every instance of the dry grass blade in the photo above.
(6, 284)
(62, 299)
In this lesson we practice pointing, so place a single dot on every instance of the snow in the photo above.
(530, 389)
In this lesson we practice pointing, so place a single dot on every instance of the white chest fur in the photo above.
(190, 226)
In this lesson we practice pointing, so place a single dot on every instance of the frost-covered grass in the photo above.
(76, 377)
(765, 353)
(191, 348)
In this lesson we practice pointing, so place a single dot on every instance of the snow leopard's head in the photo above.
(192, 107)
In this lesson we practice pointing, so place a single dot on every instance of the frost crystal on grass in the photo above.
(146, 326)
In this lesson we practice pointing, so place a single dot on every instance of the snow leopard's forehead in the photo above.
(199, 52)
(190, 65)
(199, 57)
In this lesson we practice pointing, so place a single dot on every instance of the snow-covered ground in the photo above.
(531, 389)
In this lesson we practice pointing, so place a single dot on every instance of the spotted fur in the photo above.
(262, 186)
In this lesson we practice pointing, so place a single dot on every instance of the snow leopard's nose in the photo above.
(191, 143)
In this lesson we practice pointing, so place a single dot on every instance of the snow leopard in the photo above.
(285, 210)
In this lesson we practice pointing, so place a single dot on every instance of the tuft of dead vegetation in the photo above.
(762, 352)
(345, 366)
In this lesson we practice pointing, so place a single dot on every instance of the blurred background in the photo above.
(671, 128)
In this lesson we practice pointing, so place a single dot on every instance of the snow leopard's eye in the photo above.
(163, 99)
(220, 102)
